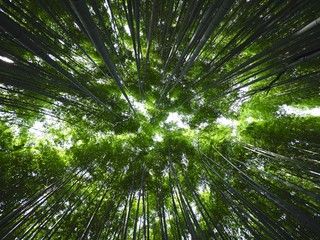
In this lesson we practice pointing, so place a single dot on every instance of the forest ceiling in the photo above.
(159, 119)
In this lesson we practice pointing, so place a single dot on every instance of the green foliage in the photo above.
(87, 147)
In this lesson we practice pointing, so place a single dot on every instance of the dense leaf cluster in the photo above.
(159, 119)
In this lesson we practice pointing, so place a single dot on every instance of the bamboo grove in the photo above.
(101, 81)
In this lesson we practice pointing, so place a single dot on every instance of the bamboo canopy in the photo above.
(172, 119)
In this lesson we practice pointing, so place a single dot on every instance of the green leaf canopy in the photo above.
(159, 119)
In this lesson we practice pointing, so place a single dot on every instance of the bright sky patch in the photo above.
(5, 59)
(157, 138)
(300, 112)
(175, 118)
